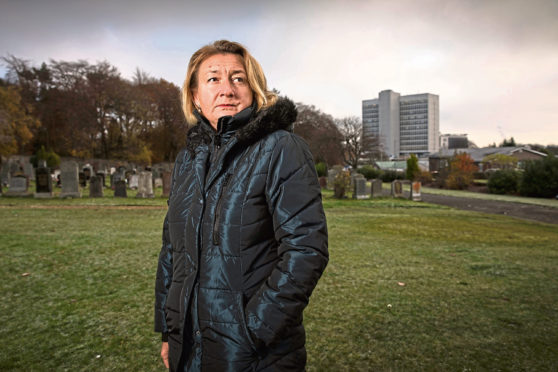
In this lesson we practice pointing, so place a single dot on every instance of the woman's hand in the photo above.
(165, 353)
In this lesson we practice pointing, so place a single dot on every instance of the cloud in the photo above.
(491, 62)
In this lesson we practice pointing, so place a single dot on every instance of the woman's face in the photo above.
(222, 87)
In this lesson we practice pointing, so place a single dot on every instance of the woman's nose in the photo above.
(227, 88)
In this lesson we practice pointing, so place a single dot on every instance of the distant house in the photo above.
(440, 160)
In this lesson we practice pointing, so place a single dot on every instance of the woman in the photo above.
(244, 239)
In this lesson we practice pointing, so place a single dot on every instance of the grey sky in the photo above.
(493, 63)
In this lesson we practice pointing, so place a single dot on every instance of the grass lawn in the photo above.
(409, 287)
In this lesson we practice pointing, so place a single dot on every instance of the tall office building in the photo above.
(403, 125)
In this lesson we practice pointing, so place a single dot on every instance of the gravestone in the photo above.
(331, 173)
(88, 172)
(415, 191)
(5, 174)
(397, 189)
(376, 188)
(82, 179)
(16, 169)
(101, 175)
(17, 186)
(359, 188)
(120, 189)
(95, 187)
(133, 181)
(158, 182)
(69, 180)
(44, 183)
(145, 185)
(166, 183)
(29, 171)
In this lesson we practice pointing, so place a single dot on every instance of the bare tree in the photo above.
(351, 130)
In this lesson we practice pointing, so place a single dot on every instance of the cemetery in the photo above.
(446, 288)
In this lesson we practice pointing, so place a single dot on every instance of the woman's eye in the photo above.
(211, 79)
(238, 79)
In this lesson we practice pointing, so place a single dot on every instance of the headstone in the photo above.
(95, 187)
(166, 183)
(323, 182)
(331, 173)
(15, 169)
(69, 180)
(88, 172)
(397, 189)
(145, 185)
(5, 174)
(101, 175)
(82, 179)
(415, 191)
(29, 171)
(44, 183)
(133, 181)
(17, 186)
(376, 188)
(158, 182)
(120, 189)
(359, 188)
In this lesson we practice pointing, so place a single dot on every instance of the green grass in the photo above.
(479, 293)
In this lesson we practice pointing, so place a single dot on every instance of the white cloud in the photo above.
(492, 63)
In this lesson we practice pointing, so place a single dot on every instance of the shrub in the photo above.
(341, 183)
(461, 172)
(369, 172)
(540, 178)
(504, 182)
(52, 159)
(321, 169)
(424, 177)
(391, 175)
(413, 170)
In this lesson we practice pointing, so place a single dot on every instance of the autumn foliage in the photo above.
(461, 172)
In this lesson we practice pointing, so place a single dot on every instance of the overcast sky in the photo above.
(494, 64)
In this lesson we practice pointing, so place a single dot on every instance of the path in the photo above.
(519, 210)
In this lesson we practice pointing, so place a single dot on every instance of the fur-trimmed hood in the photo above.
(279, 116)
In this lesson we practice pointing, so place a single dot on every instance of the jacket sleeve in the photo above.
(295, 204)
(164, 269)
(163, 280)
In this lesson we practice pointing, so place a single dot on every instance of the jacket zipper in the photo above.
(217, 221)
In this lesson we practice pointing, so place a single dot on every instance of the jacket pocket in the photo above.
(173, 320)
(244, 325)
(218, 212)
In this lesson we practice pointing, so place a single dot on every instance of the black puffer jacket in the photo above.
(244, 244)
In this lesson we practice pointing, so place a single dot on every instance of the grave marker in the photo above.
(376, 188)
(397, 189)
(44, 183)
(95, 187)
(69, 180)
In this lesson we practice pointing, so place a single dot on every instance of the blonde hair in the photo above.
(254, 73)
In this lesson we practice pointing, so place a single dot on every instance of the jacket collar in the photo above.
(279, 116)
